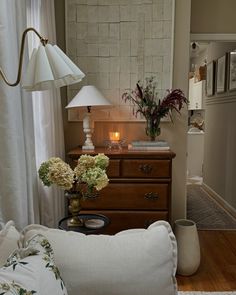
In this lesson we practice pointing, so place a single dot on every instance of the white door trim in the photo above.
(213, 37)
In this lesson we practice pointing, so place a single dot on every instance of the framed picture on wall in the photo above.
(210, 79)
(221, 74)
(232, 70)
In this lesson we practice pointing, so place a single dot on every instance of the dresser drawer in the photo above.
(122, 220)
(139, 189)
(113, 170)
(146, 168)
(139, 196)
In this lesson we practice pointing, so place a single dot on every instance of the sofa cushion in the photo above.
(138, 261)
(8, 241)
(31, 270)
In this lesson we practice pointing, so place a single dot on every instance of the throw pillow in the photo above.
(8, 241)
(32, 270)
(134, 262)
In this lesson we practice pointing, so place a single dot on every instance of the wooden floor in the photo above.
(217, 271)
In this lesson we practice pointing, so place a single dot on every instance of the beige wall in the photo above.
(116, 43)
(219, 151)
(213, 16)
(218, 16)
(220, 138)
(178, 135)
(175, 134)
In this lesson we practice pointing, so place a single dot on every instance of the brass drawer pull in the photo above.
(145, 168)
(151, 196)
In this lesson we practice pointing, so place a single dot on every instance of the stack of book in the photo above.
(141, 145)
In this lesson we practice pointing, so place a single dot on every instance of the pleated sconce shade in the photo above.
(49, 67)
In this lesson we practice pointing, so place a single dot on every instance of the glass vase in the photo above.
(153, 128)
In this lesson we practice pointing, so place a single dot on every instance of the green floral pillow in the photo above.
(32, 270)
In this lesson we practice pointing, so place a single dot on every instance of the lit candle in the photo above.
(114, 136)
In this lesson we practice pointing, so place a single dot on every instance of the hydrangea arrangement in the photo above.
(89, 174)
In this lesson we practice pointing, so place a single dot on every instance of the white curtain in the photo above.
(49, 140)
(31, 128)
(18, 175)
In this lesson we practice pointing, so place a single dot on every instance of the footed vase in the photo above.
(74, 208)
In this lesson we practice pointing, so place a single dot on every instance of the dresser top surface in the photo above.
(124, 153)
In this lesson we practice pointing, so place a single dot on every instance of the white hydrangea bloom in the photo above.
(89, 173)
(61, 174)
(95, 177)
(101, 161)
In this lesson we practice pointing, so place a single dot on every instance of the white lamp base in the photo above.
(88, 126)
(85, 147)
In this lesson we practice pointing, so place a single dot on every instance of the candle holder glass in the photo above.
(114, 144)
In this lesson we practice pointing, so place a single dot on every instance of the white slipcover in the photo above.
(132, 262)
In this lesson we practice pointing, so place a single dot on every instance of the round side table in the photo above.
(63, 224)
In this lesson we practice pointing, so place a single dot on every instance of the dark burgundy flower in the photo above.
(147, 102)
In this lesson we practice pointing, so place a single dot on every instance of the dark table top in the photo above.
(63, 224)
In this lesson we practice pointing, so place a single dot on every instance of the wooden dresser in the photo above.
(139, 190)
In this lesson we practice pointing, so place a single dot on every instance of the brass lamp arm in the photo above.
(42, 40)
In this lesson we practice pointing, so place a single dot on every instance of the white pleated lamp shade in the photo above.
(49, 67)
(88, 96)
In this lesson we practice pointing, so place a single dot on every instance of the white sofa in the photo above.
(132, 262)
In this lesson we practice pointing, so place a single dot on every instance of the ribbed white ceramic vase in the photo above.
(188, 246)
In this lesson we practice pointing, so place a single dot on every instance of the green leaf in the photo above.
(62, 287)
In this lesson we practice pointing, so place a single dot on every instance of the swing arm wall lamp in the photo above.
(48, 67)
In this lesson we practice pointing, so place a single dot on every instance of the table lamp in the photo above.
(89, 96)
(49, 67)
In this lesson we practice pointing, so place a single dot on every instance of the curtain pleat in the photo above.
(31, 128)
(18, 176)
